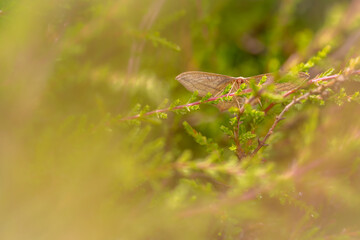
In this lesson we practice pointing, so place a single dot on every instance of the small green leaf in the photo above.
(233, 121)
(242, 87)
(233, 148)
(175, 103)
(206, 97)
(162, 115)
(194, 108)
(193, 97)
(144, 110)
(156, 39)
(262, 80)
(227, 89)
(327, 73)
(355, 97)
(226, 130)
(246, 136)
(200, 139)
(233, 110)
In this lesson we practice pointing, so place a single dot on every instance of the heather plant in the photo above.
(99, 139)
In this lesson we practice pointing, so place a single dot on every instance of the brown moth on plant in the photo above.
(204, 82)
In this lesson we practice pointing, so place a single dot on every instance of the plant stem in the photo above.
(318, 90)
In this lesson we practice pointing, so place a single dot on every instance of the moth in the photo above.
(213, 83)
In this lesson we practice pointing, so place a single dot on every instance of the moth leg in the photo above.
(238, 103)
(235, 98)
(232, 86)
(218, 94)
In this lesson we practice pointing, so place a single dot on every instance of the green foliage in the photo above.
(99, 141)
(226, 130)
(157, 40)
(328, 72)
(241, 88)
(200, 139)
(227, 89)
(207, 96)
(304, 67)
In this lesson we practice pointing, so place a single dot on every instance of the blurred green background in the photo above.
(70, 169)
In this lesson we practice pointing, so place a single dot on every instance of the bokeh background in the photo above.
(71, 169)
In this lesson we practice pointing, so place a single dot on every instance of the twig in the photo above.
(261, 143)
(239, 152)
(183, 106)
(318, 90)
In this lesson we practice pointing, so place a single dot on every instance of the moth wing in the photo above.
(291, 85)
(285, 86)
(204, 82)
(225, 105)
(269, 77)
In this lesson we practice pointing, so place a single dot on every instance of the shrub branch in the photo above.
(184, 106)
(319, 90)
